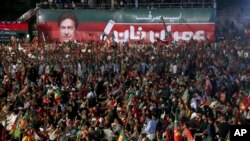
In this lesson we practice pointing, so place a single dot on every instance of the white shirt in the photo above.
(90, 95)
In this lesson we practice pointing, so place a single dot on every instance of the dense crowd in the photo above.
(94, 91)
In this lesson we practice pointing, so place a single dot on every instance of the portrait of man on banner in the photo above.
(67, 25)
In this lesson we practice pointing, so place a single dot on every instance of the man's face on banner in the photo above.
(67, 30)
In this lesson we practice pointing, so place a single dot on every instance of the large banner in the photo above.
(124, 25)
(8, 30)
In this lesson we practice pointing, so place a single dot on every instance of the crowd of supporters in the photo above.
(98, 91)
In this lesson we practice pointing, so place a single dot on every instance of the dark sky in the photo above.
(10, 10)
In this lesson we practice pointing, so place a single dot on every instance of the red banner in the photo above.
(14, 26)
(122, 32)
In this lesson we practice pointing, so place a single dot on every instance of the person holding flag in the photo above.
(57, 95)
(187, 133)
(177, 129)
(122, 136)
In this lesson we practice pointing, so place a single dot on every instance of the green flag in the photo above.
(177, 129)
(122, 136)
(17, 133)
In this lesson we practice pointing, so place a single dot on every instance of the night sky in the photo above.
(10, 10)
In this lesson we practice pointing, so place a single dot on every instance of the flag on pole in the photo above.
(245, 103)
(177, 132)
(16, 130)
(103, 36)
(107, 30)
(43, 36)
(58, 68)
(131, 96)
(189, 135)
(122, 136)
(228, 136)
(57, 93)
(26, 115)
(23, 121)
(186, 96)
